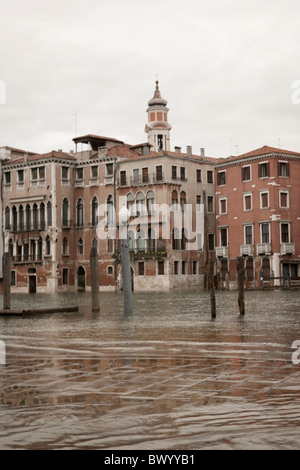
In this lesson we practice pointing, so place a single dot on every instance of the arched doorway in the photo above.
(81, 279)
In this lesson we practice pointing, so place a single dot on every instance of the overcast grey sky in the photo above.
(225, 67)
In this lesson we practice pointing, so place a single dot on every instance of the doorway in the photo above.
(81, 279)
(32, 284)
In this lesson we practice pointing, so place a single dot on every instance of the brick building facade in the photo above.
(257, 216)
(53, 203)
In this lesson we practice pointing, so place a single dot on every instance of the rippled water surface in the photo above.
(165, 377)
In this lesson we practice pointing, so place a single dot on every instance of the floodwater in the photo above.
(165, 377)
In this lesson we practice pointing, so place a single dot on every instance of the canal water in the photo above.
(165, 377)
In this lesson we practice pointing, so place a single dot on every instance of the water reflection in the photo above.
(165, 377)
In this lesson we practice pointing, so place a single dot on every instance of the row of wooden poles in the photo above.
(240, 285)
(127, 290)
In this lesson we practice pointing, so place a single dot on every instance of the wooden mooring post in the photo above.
(126, 271)
(240, 281)
(94, 279)
(6, 263)
(212, 287)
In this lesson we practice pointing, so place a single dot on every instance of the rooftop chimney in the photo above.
(189, 151)
(202, 153)
(177, 149)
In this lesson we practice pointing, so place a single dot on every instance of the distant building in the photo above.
(258, 216)
(51, 210)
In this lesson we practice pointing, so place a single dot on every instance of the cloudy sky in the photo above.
(227, 69)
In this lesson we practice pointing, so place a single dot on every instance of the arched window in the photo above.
(183, 239)
(7, 218)
(65, 213)
(80, 246)
(14, 218)
(42, 216)
(28, 217)
(151, 239)
(35, 216)
(49, 214)
(65, 246)
(182, 200)
(175, 239)
(130, 203)
(110, 210)
(150, 201)
(11, 248)
(79, 213)
(131, 240)
(140, 202)
(174, 199)
(21, 218)
(40, 249)
(141, 242)
(94, 220)
(110, 245)
(48, 246)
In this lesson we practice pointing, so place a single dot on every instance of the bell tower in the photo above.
(158, 128)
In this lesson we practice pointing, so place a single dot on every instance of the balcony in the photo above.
(247, 250)
(287, 248)
(26, 259)
(263, 248)
(38, 226)
(222, 251)
(158, 177)
(66, 224)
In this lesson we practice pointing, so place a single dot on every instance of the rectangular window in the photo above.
(223, 206)
(247, 202)
(110, 245)
(145, 175)
(176, 267)
(246, 173)
(141, 268)
(198, 202)
(264, 200)
(7, 178)
(182, 173)
(159, 173)
(94, 171)
(79, 174)
(283, 199)
(199, 241)
(174, 172)
(183, 267)
(221, 178)
(263, 170)
(265, 233)
(161, 268)
(211, 242)
(65, 276)
(223, 237)
(13, 278)
(210, 203)
(248, 234)
(283, 169)
(109, 169)
(285, 233)
(20, 176)
(210, 176)
(198, 176)
(136, 176)
(123, 178)
(65, 174)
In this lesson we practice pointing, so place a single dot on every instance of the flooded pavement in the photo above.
(165, 377)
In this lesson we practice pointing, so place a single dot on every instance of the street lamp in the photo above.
(125, 260)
